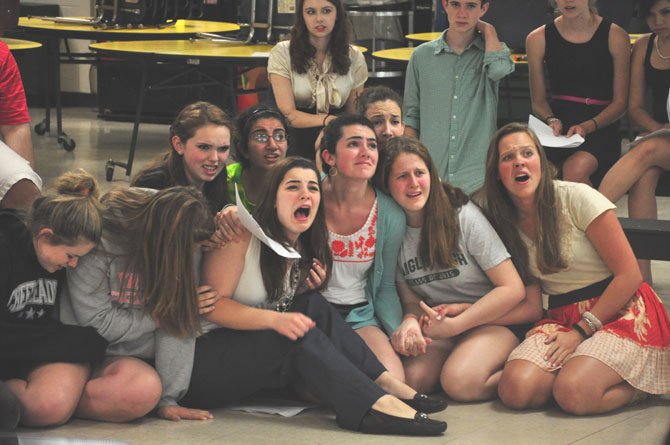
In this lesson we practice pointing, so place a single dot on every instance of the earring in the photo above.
(333, 171)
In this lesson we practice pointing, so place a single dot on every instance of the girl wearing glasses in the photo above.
(200, 143)
(317, 73)
(262, 143)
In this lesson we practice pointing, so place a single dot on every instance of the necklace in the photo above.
(285, 300)
(658, 51)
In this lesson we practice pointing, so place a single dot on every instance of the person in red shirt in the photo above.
(19, 184)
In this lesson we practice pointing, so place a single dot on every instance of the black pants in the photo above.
(331, 360)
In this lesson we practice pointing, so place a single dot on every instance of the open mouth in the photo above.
(271, 156)
(414, 194)
(522, 178)
(302, 214)
(211, 168)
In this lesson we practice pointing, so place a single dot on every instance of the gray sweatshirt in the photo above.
(95, 296)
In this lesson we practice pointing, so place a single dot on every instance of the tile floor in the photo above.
(480, 423)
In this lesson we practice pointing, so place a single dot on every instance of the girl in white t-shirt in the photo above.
(451, 260)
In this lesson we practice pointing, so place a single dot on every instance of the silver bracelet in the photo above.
(590, 324)
(592, 320)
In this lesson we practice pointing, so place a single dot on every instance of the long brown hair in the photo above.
(160, 233)
(440, 230)
(302, 51)
(313, 243)
(503, 215)
(73, 213)
(189, 120)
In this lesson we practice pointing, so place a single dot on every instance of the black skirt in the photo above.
(23, 346)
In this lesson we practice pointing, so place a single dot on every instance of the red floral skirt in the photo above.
(636, 345)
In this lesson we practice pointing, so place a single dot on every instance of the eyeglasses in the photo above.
(263, 138)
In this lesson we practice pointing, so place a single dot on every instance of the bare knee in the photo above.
(572, 395)
(51, 408)
(465, 385)
(646, 152)
(579, 168)
(128, 390)
(516, 391)
(140, 394)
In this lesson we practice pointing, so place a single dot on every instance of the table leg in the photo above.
(109, 166)
(63, 139)
(45, 124)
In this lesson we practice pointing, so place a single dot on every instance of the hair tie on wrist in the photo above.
(595, 122)
(325, 119)
(580, 330)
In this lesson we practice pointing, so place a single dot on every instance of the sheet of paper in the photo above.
(546, 135)
(284, 408)
(260, 54)
(252, 226)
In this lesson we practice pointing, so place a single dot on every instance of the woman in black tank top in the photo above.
(587, 60)
(648, 160)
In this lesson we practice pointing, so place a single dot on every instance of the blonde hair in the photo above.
(73, 213)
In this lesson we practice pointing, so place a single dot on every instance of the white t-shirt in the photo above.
(480, 249)
(580, 204)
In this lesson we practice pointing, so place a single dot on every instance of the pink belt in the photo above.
(582, 100)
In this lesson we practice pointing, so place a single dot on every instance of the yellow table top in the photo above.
(181, 27)
(190, 48)
(423, 36)
(187, 48)
(403, 55)
(19, 44)
(394, 54)
(428, 36)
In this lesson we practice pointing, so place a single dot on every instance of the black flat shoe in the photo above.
(426, 404)
(376, 422)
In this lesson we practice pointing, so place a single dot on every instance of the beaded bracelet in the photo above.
(580, 330)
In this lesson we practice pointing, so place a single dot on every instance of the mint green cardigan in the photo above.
(381, 292)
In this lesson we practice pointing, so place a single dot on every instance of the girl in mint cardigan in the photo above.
(365, 231)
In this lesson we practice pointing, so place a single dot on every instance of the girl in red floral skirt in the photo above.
(606, 340)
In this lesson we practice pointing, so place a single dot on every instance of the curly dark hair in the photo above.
(302, 51)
